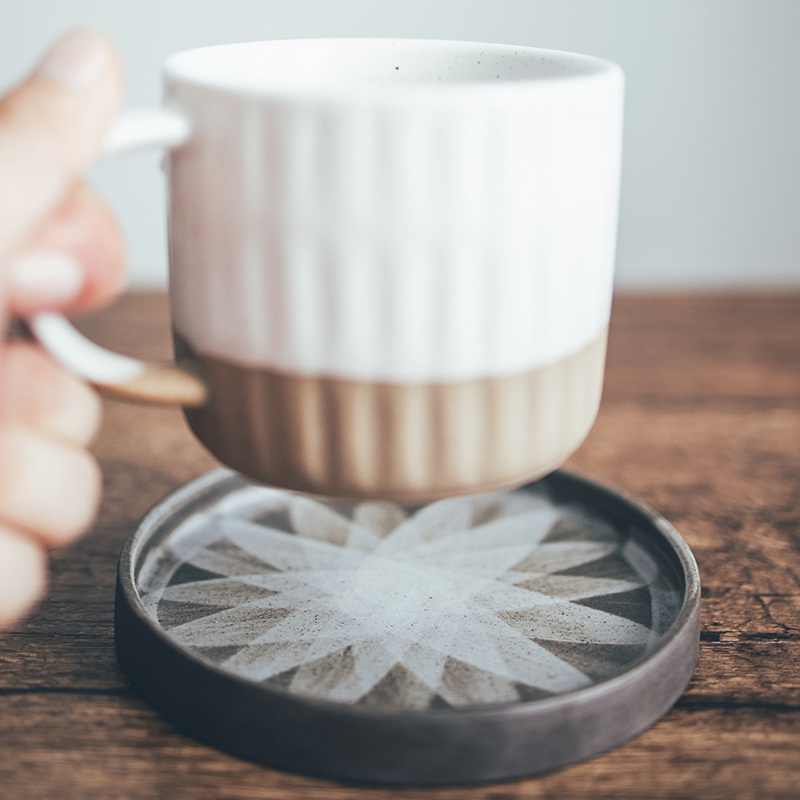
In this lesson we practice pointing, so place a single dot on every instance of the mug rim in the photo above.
(187, 67)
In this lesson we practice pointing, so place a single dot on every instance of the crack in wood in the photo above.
(82, 690)
(687, 703)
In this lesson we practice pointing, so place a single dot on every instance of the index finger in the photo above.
(51, 126)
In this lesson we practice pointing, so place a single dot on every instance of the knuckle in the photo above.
(47, 486)
(39, 393)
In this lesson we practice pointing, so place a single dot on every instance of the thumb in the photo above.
(51, 126)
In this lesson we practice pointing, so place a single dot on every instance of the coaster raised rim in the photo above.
(405, 747)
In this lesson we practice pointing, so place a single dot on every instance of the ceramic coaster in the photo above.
(473, 639)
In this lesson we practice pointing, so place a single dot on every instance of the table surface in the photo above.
(700, 419)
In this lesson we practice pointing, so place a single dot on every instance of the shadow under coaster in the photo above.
(473, 639)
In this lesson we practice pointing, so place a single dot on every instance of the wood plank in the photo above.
(700, 419)
(735, 348)
(108, 747)
(730, 490)
(742, 529)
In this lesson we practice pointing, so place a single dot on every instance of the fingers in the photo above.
(36, 393)
(72, 261)
(23, 573)
(49, 484)
(50, 129)
(48, 487)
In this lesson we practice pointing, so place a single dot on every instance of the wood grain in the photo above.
(700, 419)
(119, 747)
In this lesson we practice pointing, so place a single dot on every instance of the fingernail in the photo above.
(45, 277)
(77, 60)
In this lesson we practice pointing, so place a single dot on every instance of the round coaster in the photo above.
(473, 639)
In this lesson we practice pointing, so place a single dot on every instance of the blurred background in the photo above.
(711, 177)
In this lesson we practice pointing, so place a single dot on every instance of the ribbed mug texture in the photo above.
(331, 252)
(402, 442)
(446, 239)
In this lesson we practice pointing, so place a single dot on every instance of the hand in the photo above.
(59, 250)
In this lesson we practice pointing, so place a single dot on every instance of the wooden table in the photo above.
(700, 419)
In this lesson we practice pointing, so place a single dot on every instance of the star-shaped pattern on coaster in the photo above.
(492, 598)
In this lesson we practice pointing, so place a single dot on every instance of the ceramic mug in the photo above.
(391, 261)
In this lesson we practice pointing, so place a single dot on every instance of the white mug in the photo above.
(391, 261)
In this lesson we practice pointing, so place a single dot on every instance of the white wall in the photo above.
(711, 183)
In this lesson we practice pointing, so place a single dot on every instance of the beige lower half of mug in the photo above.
(409, 443)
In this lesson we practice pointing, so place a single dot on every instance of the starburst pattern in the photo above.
(492, 598)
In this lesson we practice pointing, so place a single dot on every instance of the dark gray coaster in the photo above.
(472, 639)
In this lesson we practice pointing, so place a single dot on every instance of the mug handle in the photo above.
(112, 373)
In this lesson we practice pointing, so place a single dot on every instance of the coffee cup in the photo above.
(391, 261)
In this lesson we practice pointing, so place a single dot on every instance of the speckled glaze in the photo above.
(412, 241)
(393, 211)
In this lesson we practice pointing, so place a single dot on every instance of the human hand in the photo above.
(59, 250)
